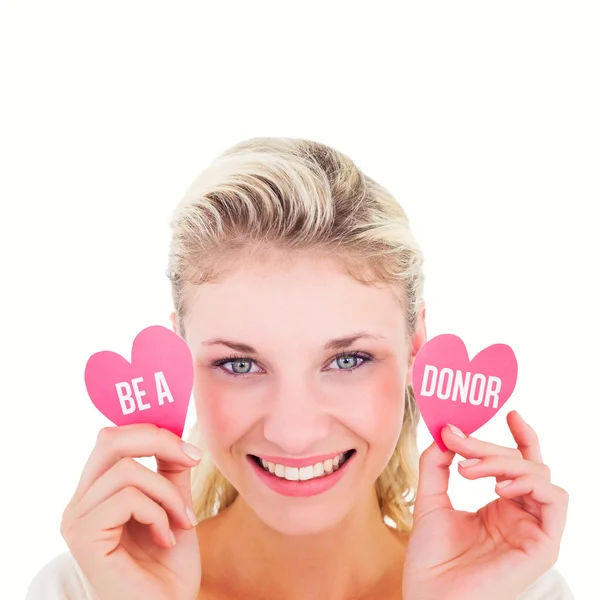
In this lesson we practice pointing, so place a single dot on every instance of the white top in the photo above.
(62, 579)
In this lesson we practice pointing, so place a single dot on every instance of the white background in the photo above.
(482, 118)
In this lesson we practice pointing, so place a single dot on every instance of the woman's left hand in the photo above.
(498, 551)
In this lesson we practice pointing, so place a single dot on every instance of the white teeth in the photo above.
(291, 473)
(305, 473)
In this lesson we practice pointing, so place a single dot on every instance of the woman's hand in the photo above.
(118, 523)
(498, 551)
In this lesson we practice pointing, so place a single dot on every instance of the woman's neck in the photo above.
(353, 559)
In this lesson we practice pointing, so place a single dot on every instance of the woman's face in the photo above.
(292, 397)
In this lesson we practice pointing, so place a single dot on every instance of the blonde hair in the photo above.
(295, 194)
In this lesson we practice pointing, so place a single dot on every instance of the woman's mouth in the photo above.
(319, 470)
(305, 480)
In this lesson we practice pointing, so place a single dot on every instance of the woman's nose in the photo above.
(297, 421)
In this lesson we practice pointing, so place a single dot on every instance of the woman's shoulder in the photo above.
(550, 586)
(60, 579)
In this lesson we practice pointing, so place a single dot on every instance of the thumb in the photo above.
(434, 475)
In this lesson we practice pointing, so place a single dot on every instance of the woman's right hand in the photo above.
(118, 523)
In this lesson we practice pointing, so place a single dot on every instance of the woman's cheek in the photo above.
(373, 407)
(220, 418)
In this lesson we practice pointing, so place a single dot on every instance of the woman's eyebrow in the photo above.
(335, 344)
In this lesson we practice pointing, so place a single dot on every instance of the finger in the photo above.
(128, 472)
(434, 475)
(471, 447)
(179, 476)
(138, 440)
(525, 436)
(553, 501)
(103, 526)
(501, 467)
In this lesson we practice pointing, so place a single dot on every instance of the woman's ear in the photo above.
(419, 338)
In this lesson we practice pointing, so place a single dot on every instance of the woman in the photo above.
(298, 286)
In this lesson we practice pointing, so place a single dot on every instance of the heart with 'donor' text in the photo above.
(155, 387)
(451, 388)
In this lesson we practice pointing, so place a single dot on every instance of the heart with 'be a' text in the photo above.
(155, 387)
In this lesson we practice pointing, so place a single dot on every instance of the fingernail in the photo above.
(191, 516)
(456, 431)
(469, 461)
(192, 451)
(504, 483)
(173, 538)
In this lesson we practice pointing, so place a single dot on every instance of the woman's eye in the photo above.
(347, 362)
(240, 366)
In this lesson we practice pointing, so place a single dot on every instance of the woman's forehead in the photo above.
(310, 302)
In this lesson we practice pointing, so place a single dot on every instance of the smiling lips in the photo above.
(301, 477)
(303, 469)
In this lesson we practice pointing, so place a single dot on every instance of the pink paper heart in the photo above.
(154, 388)
(450, 388)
